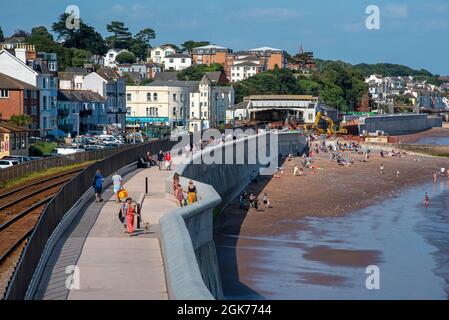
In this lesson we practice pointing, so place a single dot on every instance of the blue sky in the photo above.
(413, 32)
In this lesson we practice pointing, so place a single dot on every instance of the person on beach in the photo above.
(296, 171)
(397, 174)
(191, 193)
(118, 185)
(98, 186)
(179, 194)
(265, 200)
(130, 214)
(242, 200)
(426, 200)
(123, 211)
(150, 159)
(382, 168)
(434, 177)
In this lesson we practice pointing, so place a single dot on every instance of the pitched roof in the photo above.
(193, 85)
(166, 76)
(246, 63)
(179, 56)
(7, 82)
(265, 49)
(214, 76)
(108, 74)
(9, 127)
(80, 96)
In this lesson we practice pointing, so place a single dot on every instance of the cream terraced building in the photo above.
(194, 105)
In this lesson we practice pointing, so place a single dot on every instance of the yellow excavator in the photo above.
(331, 128)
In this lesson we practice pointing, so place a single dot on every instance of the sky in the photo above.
(412, 32)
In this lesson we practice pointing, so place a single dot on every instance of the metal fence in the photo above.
(26, 168)
(61, 204)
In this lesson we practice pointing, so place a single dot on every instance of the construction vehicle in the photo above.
(331, 127)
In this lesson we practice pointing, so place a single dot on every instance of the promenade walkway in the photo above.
(111, 264)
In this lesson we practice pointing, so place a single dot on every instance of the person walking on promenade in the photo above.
(118, 185)
(160, 159)
(175, 181)
(180, 195)
(242, 200)
(168, 161)
(426, 200)
(98, 186)
(130, 213)
(191, 193)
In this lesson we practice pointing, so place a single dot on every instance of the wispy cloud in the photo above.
(269, 14)
(395, 11)
(134, 11)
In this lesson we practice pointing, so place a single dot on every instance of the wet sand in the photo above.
(316, 240)
(433, 136)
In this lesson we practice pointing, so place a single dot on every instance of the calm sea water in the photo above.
(327, 257)
(434, 140)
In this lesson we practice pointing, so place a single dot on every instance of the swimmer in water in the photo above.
(426, 200)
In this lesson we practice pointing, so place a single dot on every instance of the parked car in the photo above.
(7, 163)
(21, 159)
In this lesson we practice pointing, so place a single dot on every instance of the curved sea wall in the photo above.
(188, 249)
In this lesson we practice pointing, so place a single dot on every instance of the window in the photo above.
(128, 111)
(157, 53)
(44, 102)
(4, 93)
(172, 60)
(155, 96)
(183, 60)
(149, 97)
(193, 114)
(149, 110)
(128, 97)
(174, 97)
(174, 112)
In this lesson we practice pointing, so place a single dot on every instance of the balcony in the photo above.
(63, 112)
(85, 113)
(117, 111)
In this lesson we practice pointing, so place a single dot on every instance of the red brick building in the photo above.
(19, 98)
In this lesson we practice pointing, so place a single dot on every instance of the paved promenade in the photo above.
(111, 264)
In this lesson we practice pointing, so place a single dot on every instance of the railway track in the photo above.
(20, 209)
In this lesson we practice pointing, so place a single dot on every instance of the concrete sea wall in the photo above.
(188, 249)
(400, 124)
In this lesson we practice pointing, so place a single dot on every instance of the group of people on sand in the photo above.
(253, 201)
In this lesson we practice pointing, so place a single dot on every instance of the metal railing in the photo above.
(63, 201)
(30, 167)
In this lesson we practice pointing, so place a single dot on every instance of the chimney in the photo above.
(21, 54)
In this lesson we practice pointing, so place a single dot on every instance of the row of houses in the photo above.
(407, 90)
(237, 65)
(31, 85)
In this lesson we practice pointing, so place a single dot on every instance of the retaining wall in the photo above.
(400, 124)
(187, 233)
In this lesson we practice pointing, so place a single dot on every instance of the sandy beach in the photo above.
(331, 191)
(432, 133)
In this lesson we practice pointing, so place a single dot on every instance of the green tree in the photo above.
(23, 120)
(189, 45)
(121, 38)
(42, 39)
(20, 33)
(2, 36)
(126, 57)
(141, 43)
(196, 72)
(80, 57)
(85, 37)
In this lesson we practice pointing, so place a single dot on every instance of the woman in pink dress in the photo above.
(130, 212)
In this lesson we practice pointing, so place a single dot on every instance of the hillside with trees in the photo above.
(338, 84)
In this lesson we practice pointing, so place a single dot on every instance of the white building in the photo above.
(158, 54)
(111, 55)
(160, 103)
(111, 86)
(177, 62)
(244, 69)
(194, 105)
(41, 74)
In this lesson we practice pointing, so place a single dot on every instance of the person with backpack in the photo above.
(98, 186)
